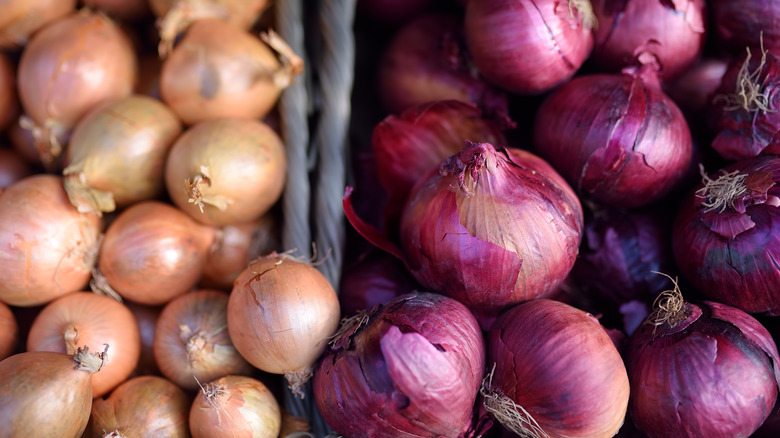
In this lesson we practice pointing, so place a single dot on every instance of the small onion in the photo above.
(741, 22)
(704, 369)
(9, 331)
(280, 314)
(146, 317)
(251, 408)
(375, 279)
(191, 341)
(228, 171)
(48, 247)
(556, 373)
(121, 9)
(141, 407)
(9, 102)
(410, 369)
(617, 139)
(12, 167)
(153, 252)
(529, 47)
(86, 320)
(22, 18)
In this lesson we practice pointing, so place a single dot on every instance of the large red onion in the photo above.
(529, 46)
(704, 369)
(556, 373)
(668, 32)
(410, 369)
(617, 139)
(741, 22)
(726, 237)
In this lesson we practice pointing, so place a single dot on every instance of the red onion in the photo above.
(740, 22)
(693, 90)
(726, 237)
(628, 149)
(375, 279)
(410, 369)
(668, 32)
(556, 373)
(427, 60)
(529, 47)
(704, 369)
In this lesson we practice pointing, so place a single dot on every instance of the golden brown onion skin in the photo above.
(22, 18)
(9, 331)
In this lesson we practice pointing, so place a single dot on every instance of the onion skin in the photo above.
(22, 18)
(47, 247)
(731, 257)
(713, 374)
(9, 102)
(628, 151)
(559, 364)
(373, 280)
(741, 22)
(413, 369)
(12, 167)
(252, 409)
(141, 407)
(9, 331)
(153, 252)
(526, 47)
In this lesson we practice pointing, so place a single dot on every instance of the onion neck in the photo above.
(71, 338)
(195, 343)
(297, 379)
(197, 187)
(114, 434)
(469, 165)
(89, 362)
(749, 94)
(585, 9)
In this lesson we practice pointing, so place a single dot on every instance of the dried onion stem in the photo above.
(721, 192)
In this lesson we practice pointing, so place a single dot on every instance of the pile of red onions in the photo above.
(741, 22)
(726, 237)
(410, 368)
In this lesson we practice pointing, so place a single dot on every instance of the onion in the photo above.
(67, 69)
(555, 373)
(726, 237)
(86, 320)
(670, 33)
(529, 47)
(47, 394)
(693, 90)
(48, 247)
(251, 409)
(427, 60)
(191, 340)
(412, 368)
(630, 149)
(228, 171)
(375, 279)
(22, 18)
(141, 407)
(740, 22)
(9, 103)
(9, 331)
(12, 167)
(153, 252)
(280, 313)
(23, 142)
(220, 71)
(146, 317)
(705, 369)
(121, 9)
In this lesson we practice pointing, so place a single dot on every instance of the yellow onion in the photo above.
(22, 18)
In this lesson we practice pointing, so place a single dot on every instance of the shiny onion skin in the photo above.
(13, 167)
(22, 18)
(617, 139)
(251, 407)
(9, 102)
(152, 252)
(491, 228)
(47, 248)
(87, 320)
(668, 32)
(710, 370)
(226, 172)
(427, 60)
(558, 364)
(730, 253)
(141, 407)
(116, 154)
(191, 340)
(741, 22)
(374, 279)
(529, 46)
(412, 368)
(9, 331)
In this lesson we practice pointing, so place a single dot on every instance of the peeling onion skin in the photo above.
(9, 331)
(559, 364)
(732, 257)
(47, 247)
(740, 22)
(628, 151)
(22, 18)
(515, 239)
(714, 374)
(413, 370)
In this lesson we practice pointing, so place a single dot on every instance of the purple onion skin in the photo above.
(375, 279)
(618, 139)
(413, 370)
(740, 22)
(734, 257)
(714, 374)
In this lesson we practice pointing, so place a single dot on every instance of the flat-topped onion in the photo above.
(22, 18)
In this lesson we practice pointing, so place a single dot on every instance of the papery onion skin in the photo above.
(153, 252)
(12, 167)
(713, 374)
(412, 370)
(22, 18)
(508, 233)
(732, 257)
(526, 47)
(628, 150)
(9, 330)
(141, 407)
(85, 319)
(47, 248)
(672, 33)
(9, 102)
(374, 279)
(251, 407)
(741, 22)
(560, 365)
